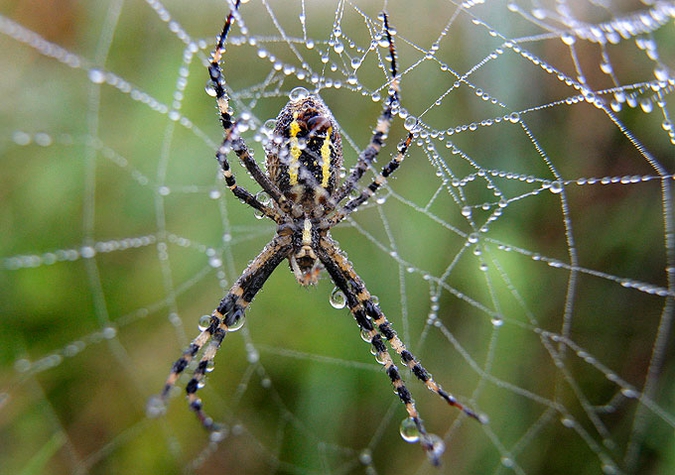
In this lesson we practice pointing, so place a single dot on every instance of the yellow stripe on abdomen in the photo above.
(294, 166)
(325, 158)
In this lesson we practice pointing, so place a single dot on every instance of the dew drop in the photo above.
(513, 117)
(298, 94)
(155, 407)
(568, 39)
(204, 322)
(210, 89)
(409, 431)
(96, 76)
(238, 321)
(218, 433)
(410, 124)
(556, 187)
(270, 124)
(366, 457)
(437, 448)
(338, 299)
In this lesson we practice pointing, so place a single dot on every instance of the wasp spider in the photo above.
(303, 162)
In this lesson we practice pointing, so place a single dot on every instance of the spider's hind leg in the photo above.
(376, 328)
(226, 317)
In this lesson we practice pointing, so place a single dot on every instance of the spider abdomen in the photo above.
(306, 151)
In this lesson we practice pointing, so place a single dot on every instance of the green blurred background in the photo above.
(84, 341)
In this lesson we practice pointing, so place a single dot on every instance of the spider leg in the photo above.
(231, 139)
(369, 154)
(376, 327)
(375, 185)
(230, 311)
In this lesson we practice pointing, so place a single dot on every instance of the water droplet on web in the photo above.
(338, 299)
(646, 105)
(568, 39)
(22, 365)
(298, 94)
(409, 431)
(218, 433)
(155, 407)
(366, 457)
(437, 448)
(96, 76)
(513, 117)
(629, 393)
(410, 124)
(556, 187)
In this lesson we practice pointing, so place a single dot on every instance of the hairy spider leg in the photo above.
(375, 185)
(375, 324)
(232, 141)
(369, 154)
(229, 312)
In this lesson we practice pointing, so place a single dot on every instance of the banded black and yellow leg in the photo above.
(381, 131)
(375, 326)
(228, 316)
(375, 185)
(231, 139)
(242, 193)
(342, 274)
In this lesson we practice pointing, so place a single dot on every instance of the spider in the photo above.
(303, 161)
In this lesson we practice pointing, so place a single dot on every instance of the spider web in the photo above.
(524, 251)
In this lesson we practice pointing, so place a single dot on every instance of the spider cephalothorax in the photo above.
(303, 164)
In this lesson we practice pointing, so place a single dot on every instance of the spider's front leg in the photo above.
(229, 314)
(377, 328)
(232, 140)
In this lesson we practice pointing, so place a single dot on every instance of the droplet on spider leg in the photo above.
(366, 335)
(210, 88)
(338, 299)
(204, 322)
(239, 319)
(409, 430)
(263, 198)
